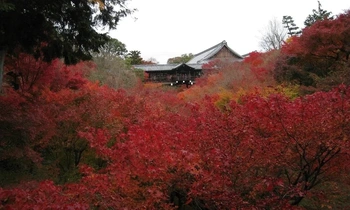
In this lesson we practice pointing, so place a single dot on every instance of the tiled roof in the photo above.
(166, 67)
(156, 67)
(196, 66)
(196, 62)
(205, 55)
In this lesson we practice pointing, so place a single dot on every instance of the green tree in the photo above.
(289, 24)
(184, 58)
(114, 72)
(113, 48)
(134, 57)
(319, 14)
(57, 29)
(111, 69)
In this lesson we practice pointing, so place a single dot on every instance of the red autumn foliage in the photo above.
(101, 148)
(29, 74)
(325, 39)
(319, 58)
(259, 153)
(43, 195)
(262, 65)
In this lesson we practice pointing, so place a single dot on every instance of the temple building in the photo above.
(187, 73)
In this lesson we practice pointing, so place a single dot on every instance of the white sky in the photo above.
(170, 28)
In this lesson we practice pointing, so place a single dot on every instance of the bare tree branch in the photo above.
(273, 36)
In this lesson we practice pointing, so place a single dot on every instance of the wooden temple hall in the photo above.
(186, 73)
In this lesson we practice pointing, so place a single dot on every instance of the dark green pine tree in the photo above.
(289, 24)
(317, 15)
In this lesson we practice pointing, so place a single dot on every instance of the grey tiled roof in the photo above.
(166, 67)
(205, 55)
(196, 66)
(156, 67)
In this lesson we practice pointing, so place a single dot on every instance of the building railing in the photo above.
(170, 79)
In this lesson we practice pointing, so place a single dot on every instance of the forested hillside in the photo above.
(270, 132)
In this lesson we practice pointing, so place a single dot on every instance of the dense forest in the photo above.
(80, 130)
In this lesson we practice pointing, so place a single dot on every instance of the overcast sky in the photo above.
(162, 29)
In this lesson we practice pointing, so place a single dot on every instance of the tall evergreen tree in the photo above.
(319, 14)
(290, 25)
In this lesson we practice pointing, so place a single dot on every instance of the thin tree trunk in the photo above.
(2, 59)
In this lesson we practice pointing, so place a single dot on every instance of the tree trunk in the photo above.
(2, 59)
